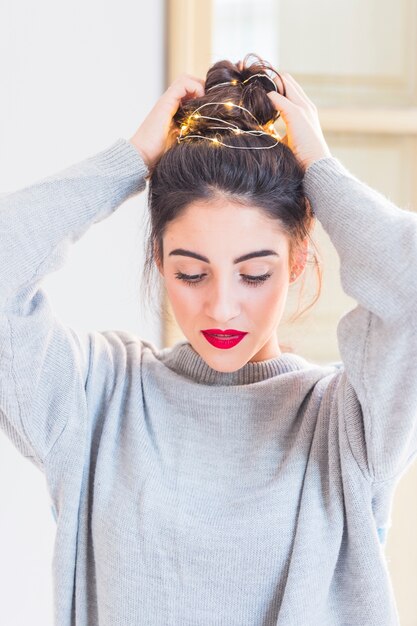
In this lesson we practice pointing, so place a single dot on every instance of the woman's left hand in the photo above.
(304, 134)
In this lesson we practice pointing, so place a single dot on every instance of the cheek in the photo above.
(267, 301)
(184, 300)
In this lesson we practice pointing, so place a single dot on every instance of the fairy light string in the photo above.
(242, 82)
(227, 125)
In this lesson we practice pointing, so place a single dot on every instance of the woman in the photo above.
(220, 481)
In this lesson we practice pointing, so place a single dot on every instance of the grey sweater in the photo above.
(184, 496)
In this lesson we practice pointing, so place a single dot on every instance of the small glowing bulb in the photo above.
(215, 140)
(272, 127)
(234, 82)
(196, 115)
(228, 104)
(237, 131)
(184, 127)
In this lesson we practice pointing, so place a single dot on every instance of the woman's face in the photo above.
(206, 246)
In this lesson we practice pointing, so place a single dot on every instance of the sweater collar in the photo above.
(184, 360)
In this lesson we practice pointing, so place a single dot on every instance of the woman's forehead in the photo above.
(224, 239)
(205, 218)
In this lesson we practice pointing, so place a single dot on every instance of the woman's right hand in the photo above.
(154, 135)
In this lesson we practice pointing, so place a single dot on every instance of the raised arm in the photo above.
(377, 245)
(39, 221)
(44, 364)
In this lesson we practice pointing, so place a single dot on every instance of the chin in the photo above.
(225, 370)
(224, 361)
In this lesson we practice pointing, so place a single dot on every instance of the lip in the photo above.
(225, 343)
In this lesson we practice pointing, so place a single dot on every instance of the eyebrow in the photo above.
(244, 257)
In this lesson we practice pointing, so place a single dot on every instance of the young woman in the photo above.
(223, 480)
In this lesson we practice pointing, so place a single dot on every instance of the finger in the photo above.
(186, 85)
(282, 104)
(292, 91)
(279, 83)
(190, 78)
(196, 78)
(185, 88)
(185, 76)
(190, 86)
(295, 90)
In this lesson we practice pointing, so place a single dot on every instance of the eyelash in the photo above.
(253, 281)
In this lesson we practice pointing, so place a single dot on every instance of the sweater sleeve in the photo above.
(377, 245)
(43, 363)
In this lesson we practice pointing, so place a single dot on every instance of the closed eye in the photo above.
(195, 279)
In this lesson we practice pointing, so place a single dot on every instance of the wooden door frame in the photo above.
(188, 31)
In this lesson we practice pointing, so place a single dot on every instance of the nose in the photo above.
(222, 302)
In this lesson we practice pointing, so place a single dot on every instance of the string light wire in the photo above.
(238, 82)
(229, 126)
(227, 104)
(216, 140)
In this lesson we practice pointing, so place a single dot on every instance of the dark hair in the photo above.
(199, 170)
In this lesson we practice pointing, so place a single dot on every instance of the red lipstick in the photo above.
(223, 338)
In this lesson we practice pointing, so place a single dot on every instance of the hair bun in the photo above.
(244, 84)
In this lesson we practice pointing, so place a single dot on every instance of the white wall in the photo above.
(75, 77)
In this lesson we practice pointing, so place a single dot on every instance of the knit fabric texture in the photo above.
(185, 496)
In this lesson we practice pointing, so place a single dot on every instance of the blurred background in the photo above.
(77, 76)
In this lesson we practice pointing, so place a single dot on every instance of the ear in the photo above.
(159, 266)
(158, 261)
(300, 259)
